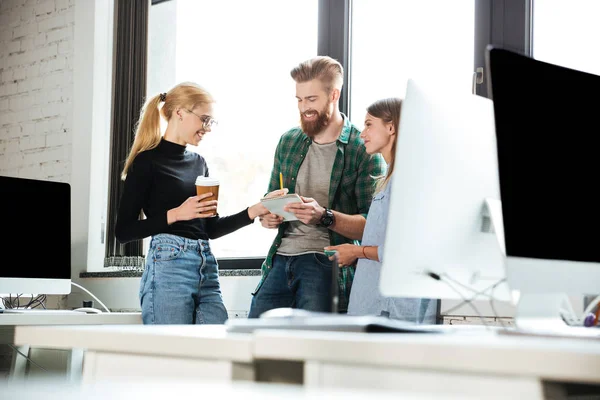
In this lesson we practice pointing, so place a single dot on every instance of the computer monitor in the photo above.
(37, 236)
(548, 158)
(440, 239)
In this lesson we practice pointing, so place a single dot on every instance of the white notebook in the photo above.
(275, 205)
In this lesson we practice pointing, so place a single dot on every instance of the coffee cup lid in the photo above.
(206, 181)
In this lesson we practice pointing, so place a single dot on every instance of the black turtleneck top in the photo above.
(161, 179)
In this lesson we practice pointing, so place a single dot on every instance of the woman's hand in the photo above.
(268, 220)
(347, 253)
(193, 207)
(277, 193)
(257, 210)
(271, 221)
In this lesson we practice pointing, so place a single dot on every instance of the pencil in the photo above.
(280, 180)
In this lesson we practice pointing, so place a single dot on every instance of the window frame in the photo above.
(503, 23)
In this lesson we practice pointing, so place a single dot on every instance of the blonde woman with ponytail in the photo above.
(380, 135)
(180, 284)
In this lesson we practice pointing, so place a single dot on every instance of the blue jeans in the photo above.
(180, 284)
(302, 281)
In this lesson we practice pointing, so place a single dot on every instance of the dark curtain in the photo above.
(129, 91)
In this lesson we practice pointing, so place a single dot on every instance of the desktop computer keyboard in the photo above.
(306, 320)
(296, 319)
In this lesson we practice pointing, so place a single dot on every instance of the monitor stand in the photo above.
(539, 314)
(534, 311)
(540, 311)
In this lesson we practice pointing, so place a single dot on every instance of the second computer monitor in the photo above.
(547, 126)
(37, 224)
(438, 242)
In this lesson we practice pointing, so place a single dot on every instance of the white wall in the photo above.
(93, 44)
(36, 89)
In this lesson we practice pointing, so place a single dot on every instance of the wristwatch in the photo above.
(327, 219)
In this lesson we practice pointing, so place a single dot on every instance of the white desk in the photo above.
(69, 318)
(186, 389)
(481, 365)
(10, 323)
(476, 365)
(201, 352)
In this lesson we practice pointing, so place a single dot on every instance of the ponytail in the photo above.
(147, 133)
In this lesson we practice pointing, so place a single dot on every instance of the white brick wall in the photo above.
(36, 88)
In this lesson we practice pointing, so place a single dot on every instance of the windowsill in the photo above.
(135, 264)
(135, 273)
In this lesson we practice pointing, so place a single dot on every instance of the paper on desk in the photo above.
(275, 205)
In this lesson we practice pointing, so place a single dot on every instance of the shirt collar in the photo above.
(171, 148)
(346, 129)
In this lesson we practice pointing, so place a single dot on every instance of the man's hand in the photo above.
(308, 212)
(270, 221)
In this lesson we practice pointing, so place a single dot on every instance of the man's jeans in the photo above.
(180, 284)
(302, 281)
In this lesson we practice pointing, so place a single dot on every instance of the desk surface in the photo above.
(9, 322)
(183, 389)
(197, 341)
(72, 318)
(556, 359)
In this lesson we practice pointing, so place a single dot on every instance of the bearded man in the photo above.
(325, 162)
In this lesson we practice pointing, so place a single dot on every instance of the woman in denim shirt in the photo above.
(380, 135)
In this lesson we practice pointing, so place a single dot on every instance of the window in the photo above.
(567, 33)
(393, 40)
(243, 57)
(245, 63)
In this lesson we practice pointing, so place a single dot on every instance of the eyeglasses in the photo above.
(207, 121)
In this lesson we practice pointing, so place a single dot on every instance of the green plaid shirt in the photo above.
(351, 189)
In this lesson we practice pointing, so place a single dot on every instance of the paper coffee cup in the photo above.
(205, 184)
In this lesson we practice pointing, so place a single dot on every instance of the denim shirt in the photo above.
(365, 297)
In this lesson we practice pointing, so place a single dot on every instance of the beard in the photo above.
(311, 128)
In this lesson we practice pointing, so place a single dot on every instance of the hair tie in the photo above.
(163, 96)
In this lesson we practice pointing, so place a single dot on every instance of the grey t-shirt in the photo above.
(314, 177)
(365, 296)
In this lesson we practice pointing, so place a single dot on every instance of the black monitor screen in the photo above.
(36, 226)
(547, 121)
